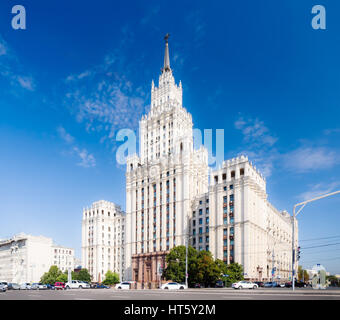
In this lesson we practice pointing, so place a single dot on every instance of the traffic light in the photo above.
(298, 253)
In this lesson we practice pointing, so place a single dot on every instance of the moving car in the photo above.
(76, 284)
(173, 286)
(25, 286)
(2, 288)
(244, 285)
(123, 286)
(59, 286)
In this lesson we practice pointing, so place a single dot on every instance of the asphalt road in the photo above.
(190, 294)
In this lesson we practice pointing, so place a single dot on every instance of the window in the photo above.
(194, 223)
(200, 211)
(200, 230)
(200, 240)
(207, 220)
(224, 176)
(242, 172)
(200, 221)
(231, 187)
(233, 174)
(207, 210)
(194, 214)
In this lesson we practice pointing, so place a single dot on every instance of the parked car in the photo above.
(59, 286)
(38, 286)
(4, 283)
(260, 284)
(13, 286)
(219, 284)
(25, 286)
(244, 285)
(123, 286)
(197, 285)
(101, 286)
(50, 286)
(298, 284)
(271, 284)
(76, 284)
(173, 286)
(2, 288)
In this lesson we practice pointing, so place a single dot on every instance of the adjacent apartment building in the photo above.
(103, 236)
(25, 258)
(171, 198)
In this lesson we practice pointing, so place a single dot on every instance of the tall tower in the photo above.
(162, 181)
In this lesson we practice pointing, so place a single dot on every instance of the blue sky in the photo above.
(82, 70)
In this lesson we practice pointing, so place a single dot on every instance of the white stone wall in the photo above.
(103, 237)
(25, 258)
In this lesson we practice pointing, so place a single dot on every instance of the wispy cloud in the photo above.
(319, 189)
(308, 158)
(11, 68)
(258, 143)
(255, 132)
(87, 160)
(64, 135)
(104, 98)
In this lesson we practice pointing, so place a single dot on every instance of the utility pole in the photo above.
(302, 204)
(186, 252)
(273, 257)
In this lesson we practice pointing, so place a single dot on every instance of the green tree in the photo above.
(82, 275)
(62, 278)
(234, 272)
(175, 260)
(111, 278)
(302, 274)
(207, 270)
(51, 276)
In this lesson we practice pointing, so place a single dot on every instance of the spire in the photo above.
(166, 55)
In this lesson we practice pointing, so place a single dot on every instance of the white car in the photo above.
(39, 286)
(244, 285)
(77, 284)
(5, 284)
(25, 286)
(173, 286)
(123, 286)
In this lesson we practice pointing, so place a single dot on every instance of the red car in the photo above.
(59, 286)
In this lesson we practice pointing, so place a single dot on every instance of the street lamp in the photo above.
(302, 204)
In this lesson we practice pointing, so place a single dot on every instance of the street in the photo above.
(190, 294)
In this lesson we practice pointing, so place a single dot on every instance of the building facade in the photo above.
(103, 237)
(25, 258)
(171, 199)
(235, 221)
(161, 182)
(63, 258)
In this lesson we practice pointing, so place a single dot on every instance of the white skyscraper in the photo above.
(162, 181)
(103, 237)
(169, 197)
